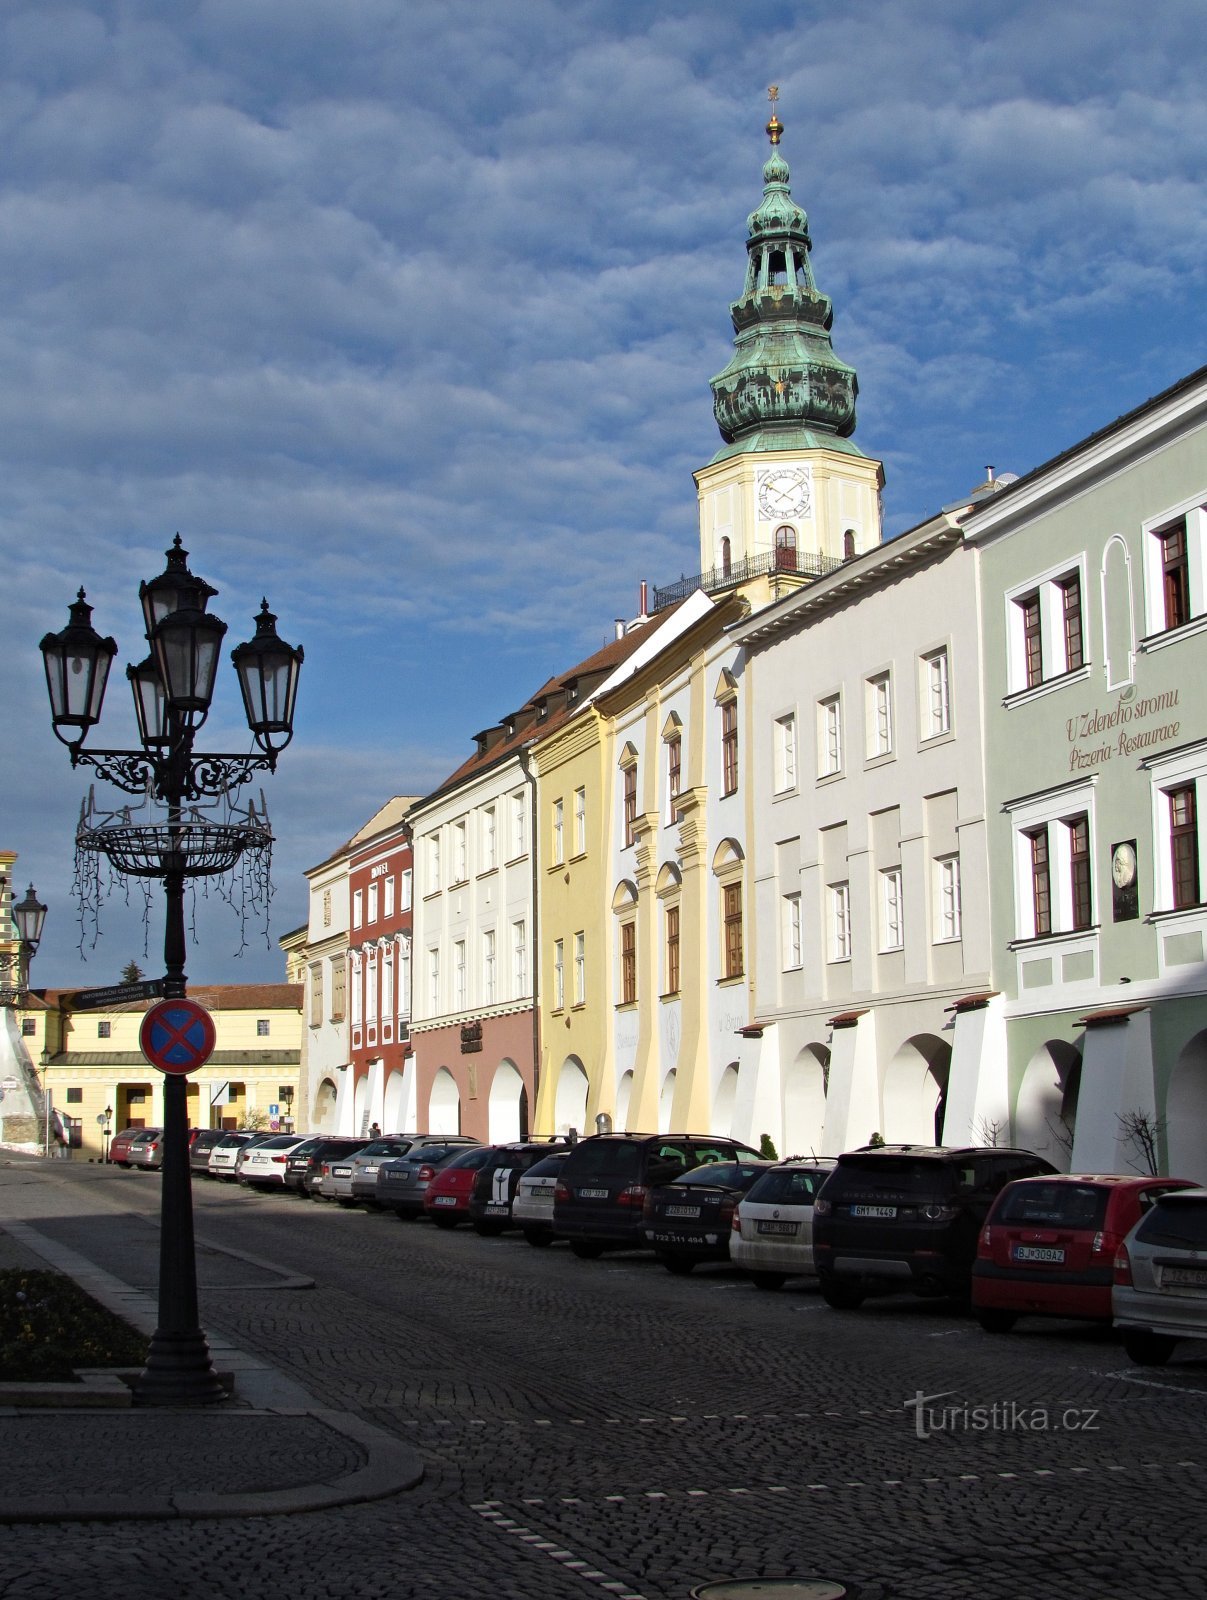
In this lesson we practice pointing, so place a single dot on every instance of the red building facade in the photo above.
(381, 899)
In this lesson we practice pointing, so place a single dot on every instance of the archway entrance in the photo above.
(914, 1093)
(1186, 1112)
(805, 1101)
(570, 1102)
(1045, 1114)
(724, 1101)
(504, 1121)
(444, 1106)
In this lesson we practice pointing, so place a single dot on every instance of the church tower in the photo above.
(789, 495)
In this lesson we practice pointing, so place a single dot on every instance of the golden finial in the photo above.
(775, 127)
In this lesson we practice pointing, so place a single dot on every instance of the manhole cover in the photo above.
(772, 1589)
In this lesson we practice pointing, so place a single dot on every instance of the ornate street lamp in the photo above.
(28, 917)
(172, 691)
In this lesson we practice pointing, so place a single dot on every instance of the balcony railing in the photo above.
(799, 563)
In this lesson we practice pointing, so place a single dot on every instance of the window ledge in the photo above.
(932, 739)
(1041, 941)
(785, 794)
(1036, 691)
(671, 994)
(626, 1005)
(1173, 914)
(829, 777)
(880, 760)
(730, 982)
(1168, 636)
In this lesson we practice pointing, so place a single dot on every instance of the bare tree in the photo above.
(991, 1131)
(1062, 1131)
(1144, 1133)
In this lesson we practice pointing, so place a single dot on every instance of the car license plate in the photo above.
(776, 1227)
(445, 1200)
(683, 1211)
(1039, 1252)
(873, 1211)
(1184, 1277)
(369, 1172)
(496, 1210)
(341, 1172)
(592, 1194)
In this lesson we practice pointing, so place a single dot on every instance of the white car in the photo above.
(772, 1236)
(265, 1163)
(225, 1153)
(1160, 1291)
(532, 1207)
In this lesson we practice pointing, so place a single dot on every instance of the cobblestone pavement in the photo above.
(603, 1428)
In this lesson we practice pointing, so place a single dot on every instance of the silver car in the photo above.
(353, 1177)
(772, 1236)
(532, 1207)
(402, 1180)
(1160, 1290)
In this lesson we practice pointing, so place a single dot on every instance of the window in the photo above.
(459, 974)
(892, 931)
(1184, 845)
(339, 985)
(1045, 629)
(357, 995)
(488, 966)
(75, 1097)
(29, 1027)
(517, 825)
(1079, 870)
(879, 716)
(580, 821)
(580, 969)
(1054, 879)
(404, 976)
(829, 736)
(839, 896)
(433, 981)
(1175, 574)
(674, 775)
(433, 862)
(460, 852)
(489, 851)
(947, 899)
(326, 908)
(628, 963)
(731, 906)
(785, 753)
(371, 990)
(672, 950)
(358, 907)
(104, 1030)
(262, 1027)
(388, 895)
(790, 925)
(630, 803)
(371, 915)
(936, 689)
(1041, 882)
(729, 747)
(316, 996)
(519, 959)
(559, 832)
(407, 888)
(559, 975)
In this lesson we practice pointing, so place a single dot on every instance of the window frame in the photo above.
(879, 721)
(729, 747)
(786, 764)
(935, 718)
(791, 932)
(1053, 880)
(949, 905)
(627, 954)
(1047, 637)
(892, 914)
(838, 909)
(829, 736)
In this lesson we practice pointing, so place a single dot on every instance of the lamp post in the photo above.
(29, 915)
(287, 1098)
(172, 691)
(106, 1127)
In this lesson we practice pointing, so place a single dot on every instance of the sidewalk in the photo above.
(89, 1456)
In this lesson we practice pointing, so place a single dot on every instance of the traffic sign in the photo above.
(177, 1036)
(117, 994)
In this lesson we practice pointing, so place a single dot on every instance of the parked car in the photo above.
(262, 1165)
(446, 1198)
(532, 1207)
(403, 1181)
(339, 1177)
(120, 1145)
(907, 1217)
(225, 1153)
(600, 1195)
(690, 1219)
(147, 1149)
(201, 1143)
(297, 1163)
(495, 1184)
(1048, 1245)
(772, 1230)
(1160, 1288)
(332, 1152)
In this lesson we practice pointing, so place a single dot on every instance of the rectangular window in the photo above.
(879, 716)
(1046, 633)
(460, 851)
(104, 1030)
(29, 1027)
(357, 993)
(75, 1097)
(339, 988)
(433, 981)
(559, 975)
(729, 747)
(519, 960)
(630, 803)
(580, 969)
(840, 921)
(489, 847)
(517, 825)
(358, 907)
(559, 832)
(262, 1027)
(459, 976)
(316, 996)
(1079, 870)
(433, 862)
(674, 775)
(371, 914)
(732, 912)
(892, 929)
(371, 990)
(672, 950)
(830, 736)
(1033, 645)
(389, 897)
(628, 963)
(488, 966)
(407, 887)
(785, 753)
(1070, 593)
(947, 898)
(580, 821)
(937, 718)
(1184, 846)
(1041, 882)
(404, 976)
(1175, 574)
(791, 934)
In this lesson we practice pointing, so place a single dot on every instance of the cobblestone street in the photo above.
(603, 1427)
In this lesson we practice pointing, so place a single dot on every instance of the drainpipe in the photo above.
(533, 835)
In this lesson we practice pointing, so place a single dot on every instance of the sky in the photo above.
(403, 312)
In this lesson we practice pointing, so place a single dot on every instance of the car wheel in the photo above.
(443, 1220)
(841, 1296)
(994, 1321)
(586, 1249)
(677, 1266)
(538, 1236)
(1148, 1349)
(768, 1280)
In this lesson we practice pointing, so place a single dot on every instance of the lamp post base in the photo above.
(178, 1372)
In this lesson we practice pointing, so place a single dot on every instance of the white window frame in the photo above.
(460, 851)
(838, 898)
(433, 862)
(1054, 809)
(829, 736)
(371, 986)
(1178, 770)
(519, 832)
(519, 958)
(559, 832)
(580, 969)
(949, 909)
(388, 897)
(433, 980)
(934, 691)
(490, 847)
(404, 977)
(357, 999)
(408, 888)
(878, 701)
(1049, 586)
(785, 753)
(374, 897)
(580, 821)
(358, 907)
(791, 931)
(1195, 513)
(490, 976)
(559, 975)
(892, 916)
(460, 975)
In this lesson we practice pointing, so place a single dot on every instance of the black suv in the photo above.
(496, 1184)
(907, 1217)
(304, 1167)
(601, 1189)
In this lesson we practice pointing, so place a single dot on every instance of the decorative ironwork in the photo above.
(13, 983)
(192, 776)
(783, 562)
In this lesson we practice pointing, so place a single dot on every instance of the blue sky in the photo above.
(403, 313)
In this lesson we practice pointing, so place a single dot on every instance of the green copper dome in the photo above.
(784, 389)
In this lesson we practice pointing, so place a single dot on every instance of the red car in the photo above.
(1048, 1245)
(446, 1200)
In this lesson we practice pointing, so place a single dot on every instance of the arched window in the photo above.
(848, 544)
(785, 549)
(726, 557)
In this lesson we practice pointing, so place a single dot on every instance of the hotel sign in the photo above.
(1129, 728)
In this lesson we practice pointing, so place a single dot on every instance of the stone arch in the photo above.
(666, 1101)
(570, 1101)
(360, 1105)
(444, 1104)
(1186, 1112)
(625, 896)
(1045, 1113)
(728, 856)
(913, 1092)
(325, 1099)
(806, 1083)
(669, 880)
(505, 1118)
(624, 1098)
(724, 1100)
(394, 1104)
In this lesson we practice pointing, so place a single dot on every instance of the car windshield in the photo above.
(785, 1186)
(387, 1147)
(1065, 1205)
(1176, 1225)
(720, 1174)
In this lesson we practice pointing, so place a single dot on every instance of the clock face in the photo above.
(1123, 865)
(785, 492)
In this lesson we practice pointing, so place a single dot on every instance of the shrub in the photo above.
(49, 1326)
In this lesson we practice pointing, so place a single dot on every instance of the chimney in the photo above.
(619, 626)
(645, 599)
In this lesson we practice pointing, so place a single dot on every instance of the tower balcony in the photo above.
(779, 563)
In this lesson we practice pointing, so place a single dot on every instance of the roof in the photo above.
(220, 1058)
(213, 996)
